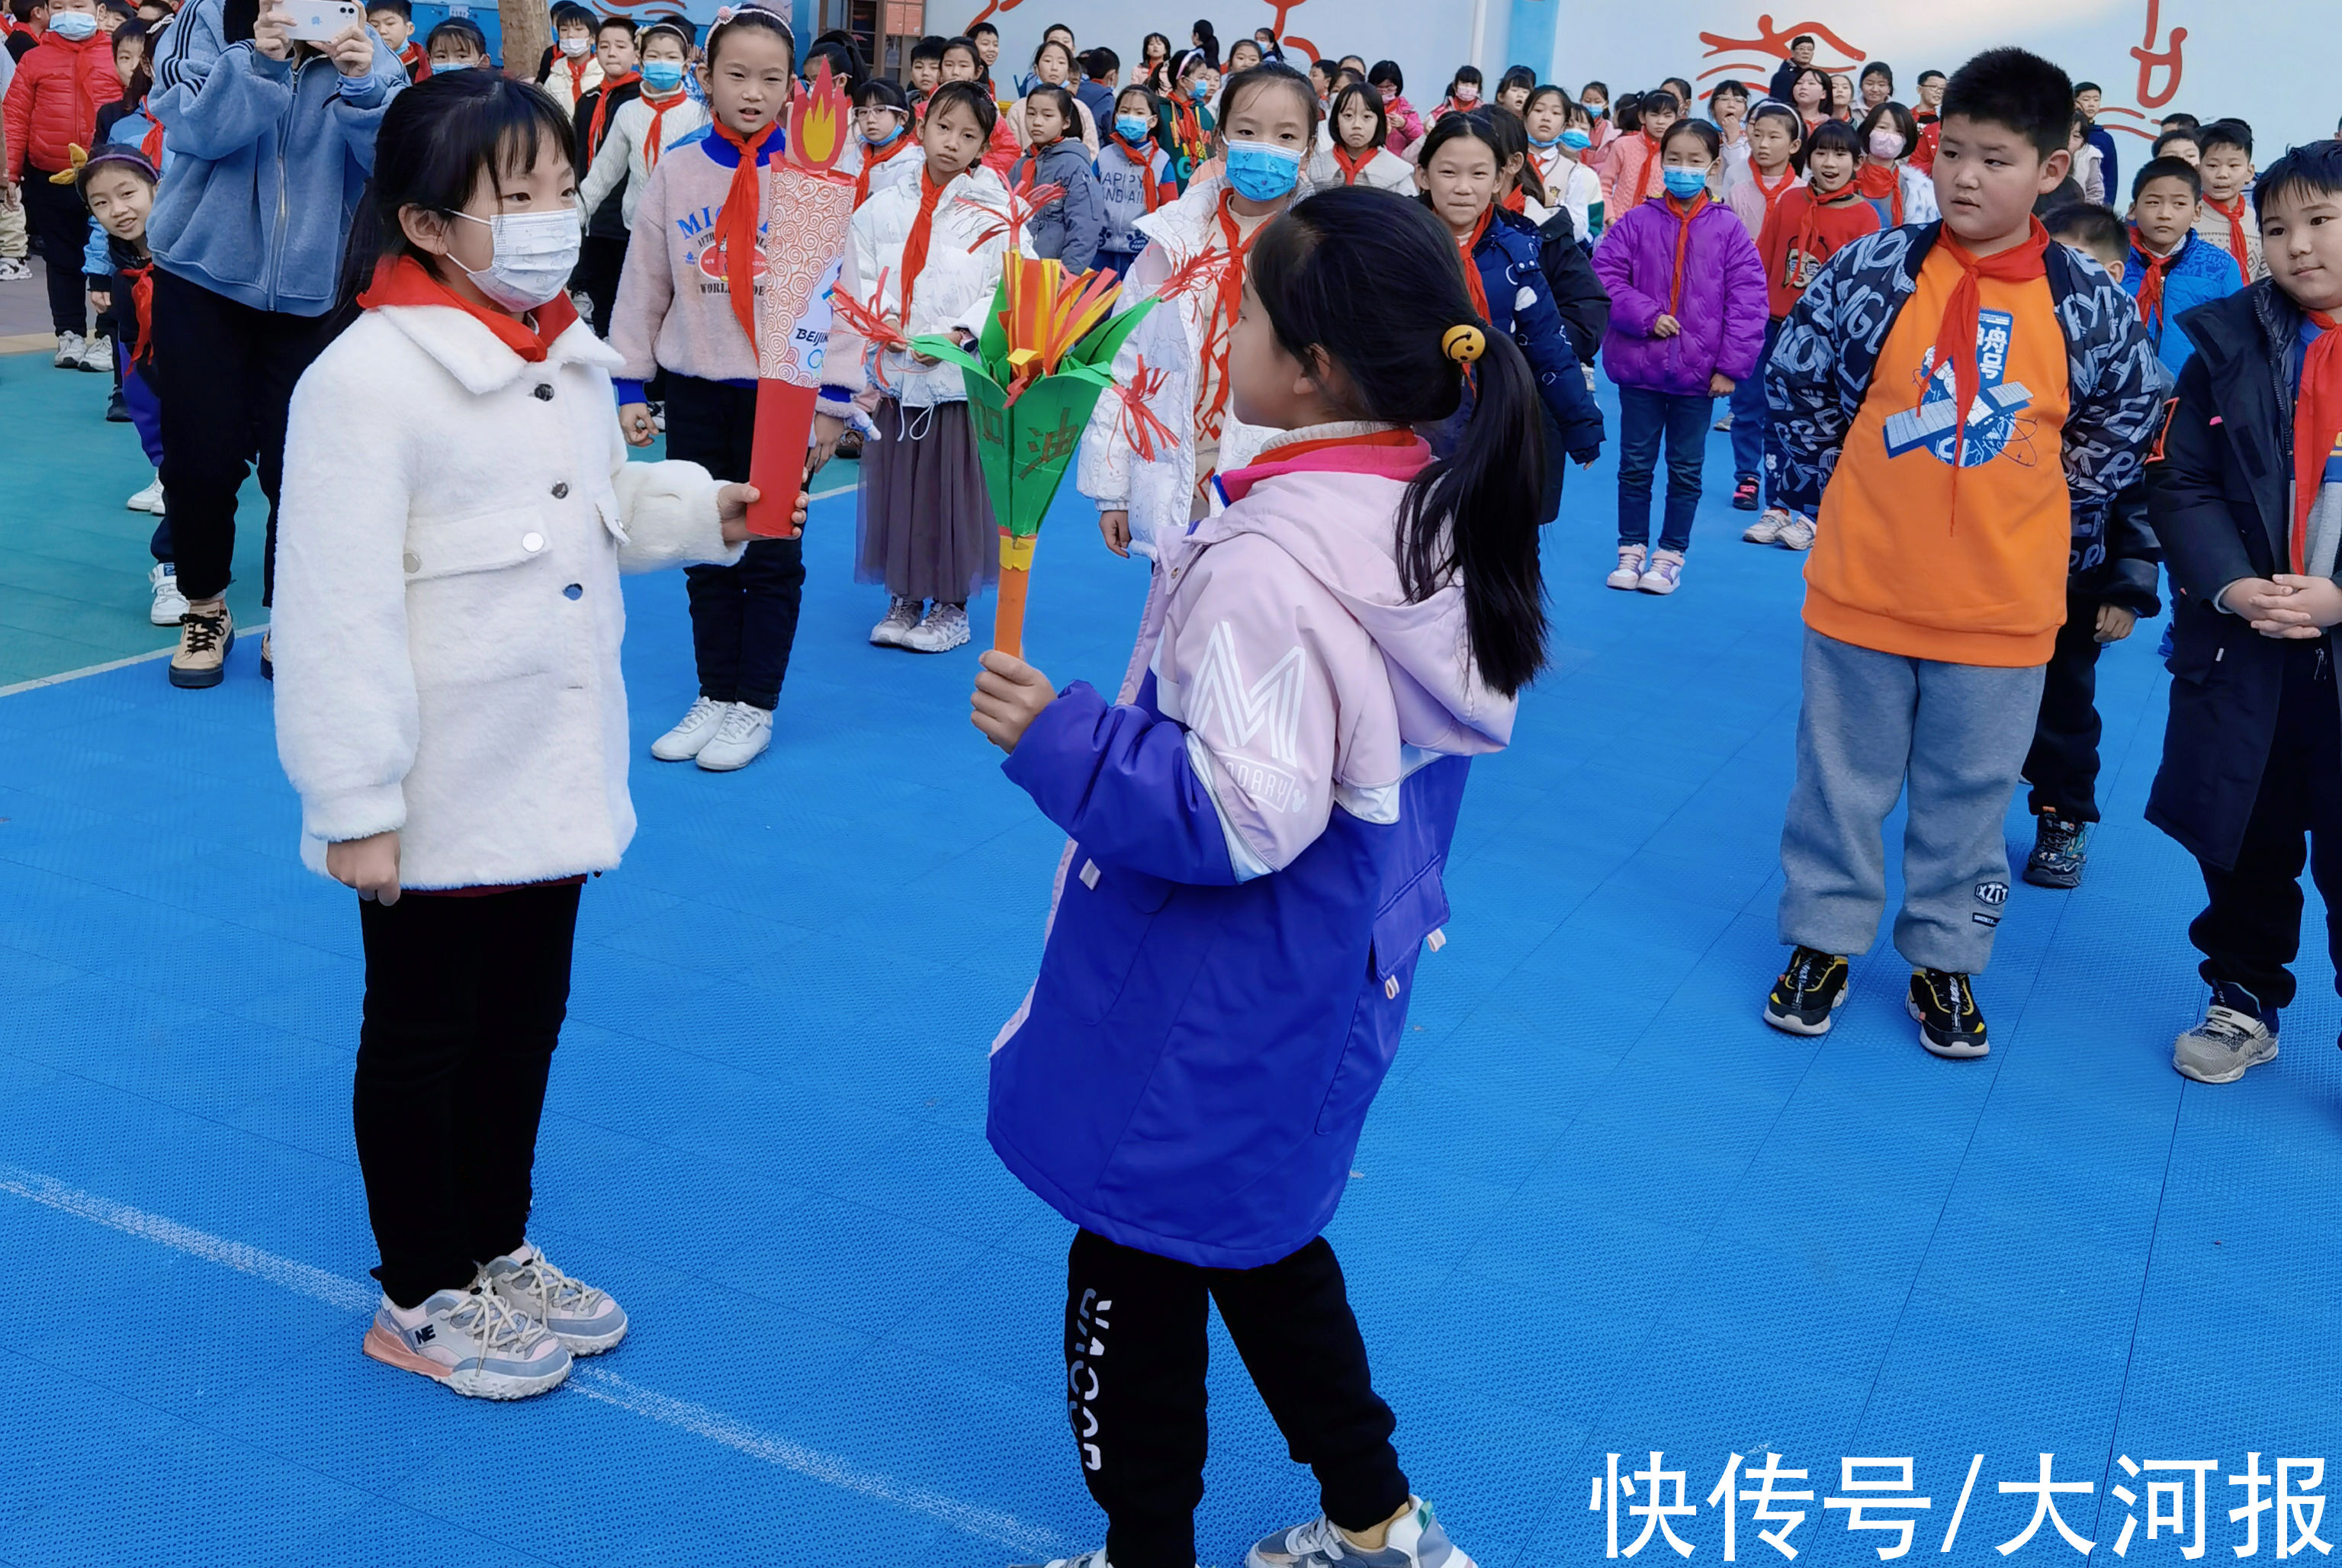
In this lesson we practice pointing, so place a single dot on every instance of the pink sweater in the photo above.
(674, 307)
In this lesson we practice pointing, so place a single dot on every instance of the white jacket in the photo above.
(1387, 171)
(955, 288)
(1158, 493)
(447, 612)
(624, 152)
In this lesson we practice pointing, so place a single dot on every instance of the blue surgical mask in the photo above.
(1548, 142)
(662, 76)
(1575, 140)
(1262, 171)
(1198, 91)
(1684, 184)
(440, 66)
(873, 142)
(1131, 127)
(72, 26)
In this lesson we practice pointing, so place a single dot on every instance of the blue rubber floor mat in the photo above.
(1599, 1210)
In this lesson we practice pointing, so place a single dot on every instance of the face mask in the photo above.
(533, 255)
(441, 67)
(1198, 91)
(1684, 184)
(1885, 144)
(1262, 172)
(1467, 93)
(72, 26)
(1547, 141)
(1131, 127)
(662, 76)
(1597, 110)
(1575, 140)
(577, 48)
(885, 140)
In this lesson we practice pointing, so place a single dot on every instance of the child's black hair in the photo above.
(1878, 68)
(2180, 122)
(1475, 125)
(1681, 89)
(981, 28)
(1700, 131)
(568, 13)
(623, 24)
(680, 33)
(880, 92)
(929, 48)
(1147, 98)
(1658, 101)
(1773, 109)
(1069, 112)
(1100, 63)
(755, 18)
(437, 140)
(970, 95)
(2019, 89)
(461, 28)
(1517, 77)
(112, 156)
(2172, 137)
(1354, 279)
(1905, 127)
(1462, 74)
(2090, 226)
(1268, 73)
(1508, 134)
(845, 67)
(1930, 74)
(1626, 113)
(1543, 88)
(1592, 87)
(2314, 169)
(1728, 88)
(141, 80)
(398, 8)
(1835, 135)
(1372, 100)
(1062, 48)
(2162, 168)
(1386, 71)
(2225, 133)
(1815, 71)
(2082, 87)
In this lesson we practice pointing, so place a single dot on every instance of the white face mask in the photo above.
(533, 255)
(577, 48)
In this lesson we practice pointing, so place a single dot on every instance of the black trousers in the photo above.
(2251, 929)
(2063, 766)
(744, 618)
(56, 226)
(464, 999)
(1136, 1352)
(599, 264)
(224, 374)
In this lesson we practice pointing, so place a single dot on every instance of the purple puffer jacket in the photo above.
(1724, 306)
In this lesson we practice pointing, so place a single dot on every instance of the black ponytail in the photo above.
(1373, 282)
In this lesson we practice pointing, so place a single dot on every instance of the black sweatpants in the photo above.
(1136, 1351)
(56, 225)
(744, 618)
(600, 261)
(2252, 927)
(465, 997)
(2063, 766)
(224, 374)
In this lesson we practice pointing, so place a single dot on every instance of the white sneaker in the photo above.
(581, 1317)
(1766, 529)
(944, 629)
(149, 499)
(97, 354)
(1414, 1540)
(1724, 423)
(1797, 534)
(682, 744)
(473, 1342)
(894, 631)
(14, 269)
(1630, 575)
(747, 732)
(1665, 572)
(169, 602)
(71, 347)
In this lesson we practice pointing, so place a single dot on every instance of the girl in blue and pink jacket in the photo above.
(1687, 315)
(1259, 821)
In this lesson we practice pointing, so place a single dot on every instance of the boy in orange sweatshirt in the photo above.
(1959, 403)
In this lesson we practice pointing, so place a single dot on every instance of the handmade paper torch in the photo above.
(1046, 357)
(808, 204)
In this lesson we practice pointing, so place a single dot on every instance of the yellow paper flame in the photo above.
(818, 119)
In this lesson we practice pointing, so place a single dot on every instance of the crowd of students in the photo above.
(1993, 409)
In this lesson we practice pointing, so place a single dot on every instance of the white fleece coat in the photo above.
(954, 289)
(448, 616)
(624, 154)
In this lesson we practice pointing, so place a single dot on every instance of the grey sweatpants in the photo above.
(1958, 734)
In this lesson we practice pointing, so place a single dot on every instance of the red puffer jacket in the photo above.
(53, 101)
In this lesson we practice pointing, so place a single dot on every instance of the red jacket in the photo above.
(53, 101)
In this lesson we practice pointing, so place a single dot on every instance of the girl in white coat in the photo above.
(448, 701)
(646, 125)
(924, 257)
(1360, 129)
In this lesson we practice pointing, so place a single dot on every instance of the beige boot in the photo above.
(206, 633)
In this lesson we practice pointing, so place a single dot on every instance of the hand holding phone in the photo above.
(316, 21)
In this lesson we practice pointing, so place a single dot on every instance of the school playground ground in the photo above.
(1598, 1209)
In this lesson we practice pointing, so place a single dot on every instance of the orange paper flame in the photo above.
(1050, 311)
(817, 121)
(868, 319)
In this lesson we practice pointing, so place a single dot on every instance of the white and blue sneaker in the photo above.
(1413, 1540)
(473, 1342)
(581, 1317)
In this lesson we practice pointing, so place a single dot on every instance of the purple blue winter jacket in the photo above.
(1723, 311)
(1259, 828)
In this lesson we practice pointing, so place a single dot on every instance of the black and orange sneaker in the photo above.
(1944, 1005)
(1809, 991)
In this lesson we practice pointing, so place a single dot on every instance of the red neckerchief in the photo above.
(1472, 283)
(416, 60)
(151, 144)
(142, 310)
(1228, 300)
(1515, 200)
(1143, 155)
(737, 226)
(598, 126)
(2317, 420)
(1397, 453)
(1956, 339)
(903, 142)
(578, 68)
(2235, 213)
(1352, 165)
(406, 280)
(1650, 167)
(659, 106)
(1882, 183)
(1187, 127)
(914, 245)
(2150, 288)
(1684, 216)
(1772, 196)
(1810, 227)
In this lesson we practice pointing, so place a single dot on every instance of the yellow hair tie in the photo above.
(1463, 343)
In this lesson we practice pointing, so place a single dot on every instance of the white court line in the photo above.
(37, 682)
(602, 1387)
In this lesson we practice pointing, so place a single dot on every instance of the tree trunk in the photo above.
(529, 29)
